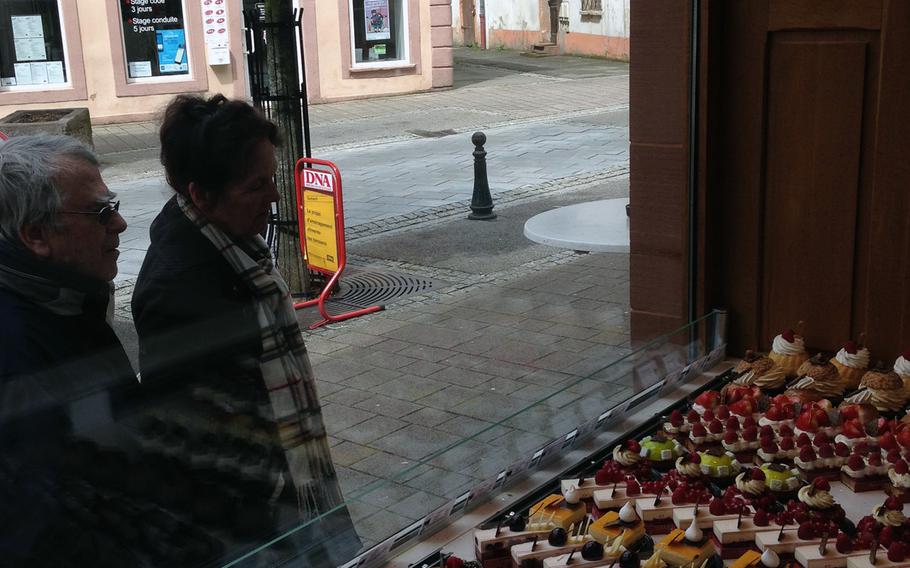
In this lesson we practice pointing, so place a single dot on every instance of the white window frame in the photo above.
(176, 77)
(404, 61)
(68, 84)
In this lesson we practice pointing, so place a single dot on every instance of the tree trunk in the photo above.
(285, 111)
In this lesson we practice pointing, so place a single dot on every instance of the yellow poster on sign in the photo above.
(319, 220)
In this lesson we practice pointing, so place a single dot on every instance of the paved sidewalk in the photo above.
(499, 357)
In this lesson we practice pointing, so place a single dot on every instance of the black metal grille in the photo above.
(367, 288)
(274, 56)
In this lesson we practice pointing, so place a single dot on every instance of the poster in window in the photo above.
(171, 51)
(376, 13)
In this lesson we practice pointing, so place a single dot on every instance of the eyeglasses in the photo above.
(105, 214)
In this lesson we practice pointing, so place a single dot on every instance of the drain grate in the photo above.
(366, 288)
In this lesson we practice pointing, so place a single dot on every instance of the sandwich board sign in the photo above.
(320, 213)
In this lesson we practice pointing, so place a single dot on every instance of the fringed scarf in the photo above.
(284, 366)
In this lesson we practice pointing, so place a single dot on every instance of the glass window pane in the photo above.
(31, 43)
(378, 30)
(154, 37)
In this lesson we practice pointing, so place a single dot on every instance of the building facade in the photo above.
(577, 27)
(125, 59)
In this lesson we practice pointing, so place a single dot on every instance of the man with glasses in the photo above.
(63, 371)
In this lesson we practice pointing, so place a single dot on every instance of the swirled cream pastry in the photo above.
(789, 351)
(882, 389)
(689, 465)
(761, 371)
(817, 494)
(851, 363)
(891, 513)
(628, 454)
(818, 379)
(751, 482)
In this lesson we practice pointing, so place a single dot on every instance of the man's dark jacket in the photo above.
(63, 372)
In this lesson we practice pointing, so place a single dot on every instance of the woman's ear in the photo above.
(201, 199)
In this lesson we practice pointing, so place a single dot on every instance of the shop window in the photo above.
(154, 37)
(379, 30)
(32, 52)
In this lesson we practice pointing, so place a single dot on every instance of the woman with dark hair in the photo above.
(218, 335)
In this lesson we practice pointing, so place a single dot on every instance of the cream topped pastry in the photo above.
(788, 343)
(891, 513)
(817, 494)
(760, 371)
(851, 362)
(753, 485)
(819, 377)
(627, 454)
(689, 465)
(899, 475)
(789, 351)
(882, 389)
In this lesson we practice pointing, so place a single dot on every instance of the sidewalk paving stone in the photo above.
(371, 429)
(387, 406)
(415, 441)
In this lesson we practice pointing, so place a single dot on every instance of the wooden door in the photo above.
(807, 176)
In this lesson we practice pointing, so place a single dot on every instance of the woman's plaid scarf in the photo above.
(284, 366)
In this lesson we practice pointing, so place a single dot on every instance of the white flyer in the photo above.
(7, 81)
(30, 48)
(23, 73)
(140, 69)
(39, 73)
(27, 26)
(55, 75)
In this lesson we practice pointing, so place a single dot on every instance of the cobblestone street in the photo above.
(508, 345)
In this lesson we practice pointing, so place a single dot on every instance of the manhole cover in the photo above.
(433, 133)
(368, 288)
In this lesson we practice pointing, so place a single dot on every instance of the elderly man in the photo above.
(61, 365)
(59, 233)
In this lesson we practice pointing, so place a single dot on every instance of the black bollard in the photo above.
(481, 201)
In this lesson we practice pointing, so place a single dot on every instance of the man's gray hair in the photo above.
(29, 169)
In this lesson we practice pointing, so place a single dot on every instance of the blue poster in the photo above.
(171, 51)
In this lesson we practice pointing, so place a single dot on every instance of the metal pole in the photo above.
(481, 200)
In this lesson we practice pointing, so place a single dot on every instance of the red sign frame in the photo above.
(324, 167)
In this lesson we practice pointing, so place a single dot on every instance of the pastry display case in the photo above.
(677, 454)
